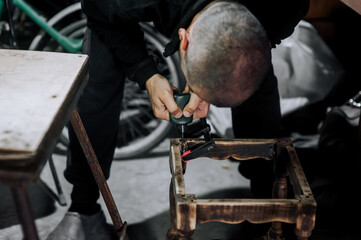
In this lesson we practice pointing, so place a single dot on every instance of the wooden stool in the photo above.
(38, 94)
(187, 211)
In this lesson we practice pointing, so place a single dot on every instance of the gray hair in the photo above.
(228, 52)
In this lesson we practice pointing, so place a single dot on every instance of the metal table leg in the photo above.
(98, 174)
(24, 210)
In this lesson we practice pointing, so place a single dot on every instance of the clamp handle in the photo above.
(181, 100)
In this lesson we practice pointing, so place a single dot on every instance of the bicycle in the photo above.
(139, 130)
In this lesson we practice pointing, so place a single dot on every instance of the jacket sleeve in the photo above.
(291, 13)
(125, 39)
(278, 17)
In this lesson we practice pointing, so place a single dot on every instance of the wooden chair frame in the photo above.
(187, 211)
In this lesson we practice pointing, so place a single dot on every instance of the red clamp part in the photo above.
(185, 154)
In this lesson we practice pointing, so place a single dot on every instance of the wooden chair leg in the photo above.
(182, 220)
(300, 237)
(304, 223)
(186, 217)
(303, 233)
(185, 235)
(276, 232)
(172, 231)
(279, 191)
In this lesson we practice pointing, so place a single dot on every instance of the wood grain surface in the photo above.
(33, 86)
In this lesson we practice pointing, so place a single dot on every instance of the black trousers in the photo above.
(99, 108)
(259, 117)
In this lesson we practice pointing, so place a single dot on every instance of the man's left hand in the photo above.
(196, 106)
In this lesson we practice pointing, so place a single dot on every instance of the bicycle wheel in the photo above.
(139, 130)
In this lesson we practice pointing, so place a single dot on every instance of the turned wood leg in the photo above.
(279, 191)
(187, 235)
(172, 231)
(276, 232)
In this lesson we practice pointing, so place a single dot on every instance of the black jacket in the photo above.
(116, 22)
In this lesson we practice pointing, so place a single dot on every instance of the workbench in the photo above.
(38, 95)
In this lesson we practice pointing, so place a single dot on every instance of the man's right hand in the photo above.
(161, 97)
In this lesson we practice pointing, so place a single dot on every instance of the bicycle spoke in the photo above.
(146, 112)
(133, 129)
(142, 124)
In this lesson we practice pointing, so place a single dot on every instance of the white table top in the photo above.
(33, 87)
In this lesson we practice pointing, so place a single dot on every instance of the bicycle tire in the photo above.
(139, 145)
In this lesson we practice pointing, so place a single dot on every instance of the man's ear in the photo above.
(183, 38)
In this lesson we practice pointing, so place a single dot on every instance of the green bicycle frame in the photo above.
(1, 8)
(71, 45)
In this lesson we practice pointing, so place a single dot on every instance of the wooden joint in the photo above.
(305, 221)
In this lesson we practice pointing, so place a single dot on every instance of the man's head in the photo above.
(225, 53)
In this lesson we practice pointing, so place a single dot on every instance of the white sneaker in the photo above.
(75, 226)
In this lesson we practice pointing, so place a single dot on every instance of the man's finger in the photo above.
(172, 106)
(160, 111)
(192, 105)
(186, 89)
(202, 110)
(174, 89)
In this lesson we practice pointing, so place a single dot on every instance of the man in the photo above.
(225, 55)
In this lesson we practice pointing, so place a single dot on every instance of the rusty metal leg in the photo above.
(61, 198)
(97, 173)
(24, 211)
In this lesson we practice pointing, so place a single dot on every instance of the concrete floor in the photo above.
(140, 190)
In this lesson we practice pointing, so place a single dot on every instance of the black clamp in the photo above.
(208, 146)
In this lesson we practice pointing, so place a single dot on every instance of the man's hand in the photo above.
(196, 106)
(161, 97)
